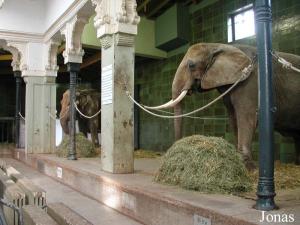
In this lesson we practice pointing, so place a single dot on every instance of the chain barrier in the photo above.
(245, 73)
(285, 63)
(15, 208)
(85, 116)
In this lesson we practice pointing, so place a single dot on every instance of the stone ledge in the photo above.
(63, 215)
(36, 216)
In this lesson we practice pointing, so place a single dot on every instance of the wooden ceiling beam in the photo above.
(91, 60)
(5, 57)
(142, 5)
(87, 62)
(158, 7)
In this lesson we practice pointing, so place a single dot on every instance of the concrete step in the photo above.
(93, 211)
(12, 193)
(34, 194)
(36, 216)
(63, 215)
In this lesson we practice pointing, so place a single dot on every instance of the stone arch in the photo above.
(16, 54)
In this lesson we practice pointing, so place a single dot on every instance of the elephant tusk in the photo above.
(171, 103)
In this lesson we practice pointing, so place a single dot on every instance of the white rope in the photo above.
(52, 117)
(57, 117)
(247, 70)
(285, 64)
(85, 116)
(21, 116)
(194, 117)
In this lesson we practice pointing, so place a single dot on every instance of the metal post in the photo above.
(265, 188)
(73, 68)
(17, 75)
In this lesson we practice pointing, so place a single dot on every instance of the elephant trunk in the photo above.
(64, 120)
(178, 122)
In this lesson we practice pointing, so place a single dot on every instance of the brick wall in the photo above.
(209, 24)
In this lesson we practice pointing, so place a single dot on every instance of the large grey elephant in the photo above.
(88, 102)
(211, 65)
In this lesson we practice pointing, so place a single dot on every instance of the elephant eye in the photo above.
(191, 65)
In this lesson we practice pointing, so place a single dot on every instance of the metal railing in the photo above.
(7, 129)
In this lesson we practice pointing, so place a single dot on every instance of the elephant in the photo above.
(88, 102)
(208, 66)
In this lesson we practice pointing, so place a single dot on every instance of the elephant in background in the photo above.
(88, 102)
(208, 66)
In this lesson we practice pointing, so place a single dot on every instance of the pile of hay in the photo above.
(84, 147)
(205, 164)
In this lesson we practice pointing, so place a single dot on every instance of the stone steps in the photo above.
(20, 191)
(64, 215)
(136, 196)
(36, 216)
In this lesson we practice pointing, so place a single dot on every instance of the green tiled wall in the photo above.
(209, 24)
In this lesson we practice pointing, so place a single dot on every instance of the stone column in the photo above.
(116, 24)
(40, 103)
(37, 61)
(17, 74)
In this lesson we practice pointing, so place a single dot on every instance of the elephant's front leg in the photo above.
(94, 131)
(246, 124)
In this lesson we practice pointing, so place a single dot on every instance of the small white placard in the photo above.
(199, 220)
(106, 85)
(59, 172)
(129, 201)
(18, 155)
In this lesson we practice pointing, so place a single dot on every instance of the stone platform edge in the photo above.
(139, 204)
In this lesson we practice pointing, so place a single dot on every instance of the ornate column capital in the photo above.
(118, 16)
(51, 67)
(72, 32)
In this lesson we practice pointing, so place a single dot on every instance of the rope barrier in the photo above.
(285, 63)
(85, 116)
(21, 116)
(56, 117)
(245, 72)
(195, 117)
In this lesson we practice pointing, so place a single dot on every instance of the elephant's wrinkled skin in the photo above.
(212, 65)
(88, 103)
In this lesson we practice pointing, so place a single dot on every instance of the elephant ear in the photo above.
(225, 67)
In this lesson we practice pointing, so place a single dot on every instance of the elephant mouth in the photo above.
(196, 87)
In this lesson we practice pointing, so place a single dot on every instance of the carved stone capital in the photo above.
(51, 57)
(106, 41)
(115, 16)
(72, 32)
(123, 39)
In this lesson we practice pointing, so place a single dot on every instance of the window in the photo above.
(240, 23)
